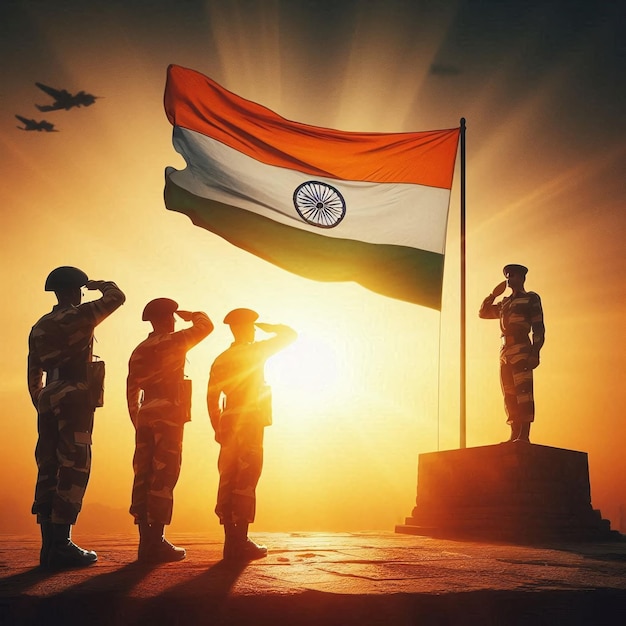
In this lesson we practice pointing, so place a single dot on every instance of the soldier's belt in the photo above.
(509, 340)
(161, 392)
(75, 373)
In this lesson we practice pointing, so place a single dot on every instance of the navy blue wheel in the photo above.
(319, 204)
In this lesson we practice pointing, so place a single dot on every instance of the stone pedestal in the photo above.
(516, 491)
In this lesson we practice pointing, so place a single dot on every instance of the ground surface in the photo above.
(322, 578)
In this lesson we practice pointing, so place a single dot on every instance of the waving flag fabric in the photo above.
(326, 204)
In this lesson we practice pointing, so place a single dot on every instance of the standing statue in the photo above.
(239, 404)
(523, 332)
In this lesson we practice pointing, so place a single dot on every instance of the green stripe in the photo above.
(395, 271)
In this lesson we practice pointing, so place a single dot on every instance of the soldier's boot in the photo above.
(231, 542)
(524, 432)
(145, 541)
(46, 542)
(64, 553)
(247, 549)
(159, 549)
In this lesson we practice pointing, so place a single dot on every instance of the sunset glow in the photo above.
(371, 382)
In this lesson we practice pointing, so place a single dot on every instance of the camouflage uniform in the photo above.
(155, 375)
(519, 315)
(237, 377)
(60, 344)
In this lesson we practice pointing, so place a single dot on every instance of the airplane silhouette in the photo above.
(30, 124)
(63, 99)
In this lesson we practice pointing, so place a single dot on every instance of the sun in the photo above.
(309, 369)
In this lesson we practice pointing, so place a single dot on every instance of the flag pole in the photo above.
(463, 329)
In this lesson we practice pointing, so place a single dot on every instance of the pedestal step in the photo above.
(513, 491)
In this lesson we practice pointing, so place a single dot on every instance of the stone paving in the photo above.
(322, 578)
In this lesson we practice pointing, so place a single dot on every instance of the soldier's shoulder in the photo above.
(145, 346)
(37, 325)
(53, 314)
(223, 357)
(46, 320)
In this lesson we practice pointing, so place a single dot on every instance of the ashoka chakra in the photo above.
(319, 204)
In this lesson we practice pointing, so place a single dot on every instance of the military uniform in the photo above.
(60, 345)
(157, 409)
(239, 407)
(520, 316)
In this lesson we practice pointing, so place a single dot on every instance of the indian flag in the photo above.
(326, 204)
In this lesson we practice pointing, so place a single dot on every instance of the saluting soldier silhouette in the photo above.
(159, 403)
(522, 334)
(239, 405)
(65, 394)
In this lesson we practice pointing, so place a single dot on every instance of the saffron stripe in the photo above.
(196, 102)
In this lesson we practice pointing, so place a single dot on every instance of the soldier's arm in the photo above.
(537, 326)
(538, 337)
(35, 375)
(132, 396)
(284, 335)
(214, 391)
(489, 310)
(201, 327)
(112, 298)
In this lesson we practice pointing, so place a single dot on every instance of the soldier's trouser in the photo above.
(240, 463)
(63, 455)
(156, 463)
(516, 380)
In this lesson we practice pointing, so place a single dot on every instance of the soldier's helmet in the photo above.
(241, 316)
(514, 268)
(65, 277)
(158, 308)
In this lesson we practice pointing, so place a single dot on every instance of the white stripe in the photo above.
(390, 213)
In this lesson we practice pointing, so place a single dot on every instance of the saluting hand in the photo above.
(94, 284)
(499, 289)
(268, 328)
(184, 315)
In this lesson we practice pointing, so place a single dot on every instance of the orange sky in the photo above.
(369, 385)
